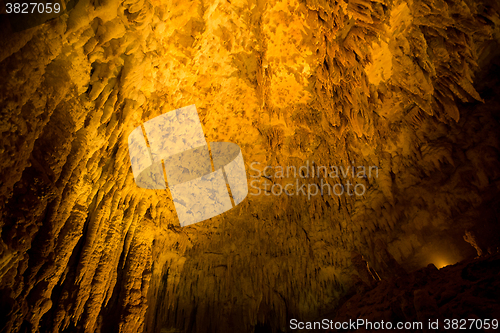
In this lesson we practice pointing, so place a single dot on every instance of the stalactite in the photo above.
(404, 86)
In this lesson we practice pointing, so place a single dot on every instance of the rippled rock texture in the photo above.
(407, 86)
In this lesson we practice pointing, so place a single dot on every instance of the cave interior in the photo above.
(369, 137)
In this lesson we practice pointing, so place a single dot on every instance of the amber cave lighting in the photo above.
(344, 166)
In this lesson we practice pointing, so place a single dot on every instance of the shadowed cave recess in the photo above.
(407, 87)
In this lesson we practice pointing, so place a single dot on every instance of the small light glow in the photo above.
(441, 260)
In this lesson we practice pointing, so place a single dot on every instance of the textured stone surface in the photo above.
(407, 86)
(468, 290)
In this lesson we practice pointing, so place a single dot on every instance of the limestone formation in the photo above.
(403, 93)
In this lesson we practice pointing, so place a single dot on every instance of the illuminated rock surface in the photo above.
(410, 87)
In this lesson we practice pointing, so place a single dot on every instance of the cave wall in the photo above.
(402, 85)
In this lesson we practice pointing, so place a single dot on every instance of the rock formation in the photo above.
(407, 89)
(466, 291)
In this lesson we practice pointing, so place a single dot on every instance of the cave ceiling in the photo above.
(405, 87)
